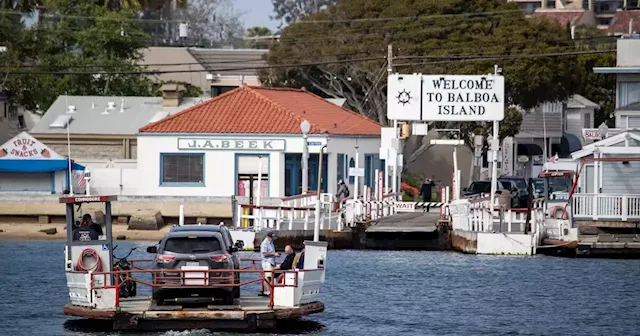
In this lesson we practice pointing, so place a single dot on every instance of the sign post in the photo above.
(451, 98)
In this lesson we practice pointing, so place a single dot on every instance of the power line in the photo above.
(453, 59)
(449, 59)
(158, 72)
(378, 19)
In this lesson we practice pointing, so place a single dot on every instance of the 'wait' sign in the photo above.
(405, 206)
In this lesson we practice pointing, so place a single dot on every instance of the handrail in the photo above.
(275, 207)
(309, 193)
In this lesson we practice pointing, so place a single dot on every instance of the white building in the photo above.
(222, 147)
(28, 166)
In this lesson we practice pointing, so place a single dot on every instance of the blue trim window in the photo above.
(352, 164)
(371, 163)
(182, 169)
(341, 166)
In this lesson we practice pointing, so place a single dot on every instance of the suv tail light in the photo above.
(161, 258)
(219, 258)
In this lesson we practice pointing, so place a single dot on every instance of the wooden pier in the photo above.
(407, 231)
(250, 313)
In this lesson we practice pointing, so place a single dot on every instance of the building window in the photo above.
(341, 166)
(587, 120)
(218, 90)
(182, 168)
(21, 122)
(352, 164)
(628, 93)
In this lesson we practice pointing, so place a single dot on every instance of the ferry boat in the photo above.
(103, 290)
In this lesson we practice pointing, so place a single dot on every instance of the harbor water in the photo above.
(380, 293)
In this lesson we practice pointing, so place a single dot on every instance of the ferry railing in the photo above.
(483, 219)
(207, 278)
(606, 206)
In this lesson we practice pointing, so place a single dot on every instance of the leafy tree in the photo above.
(212, 23)
(258, 32)
(290, 11)
(429, 37)
(90, 48)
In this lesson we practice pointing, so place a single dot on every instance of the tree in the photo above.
(90, 49)
(290, 11)
(212, 23)
(429, 37)
(254, 32)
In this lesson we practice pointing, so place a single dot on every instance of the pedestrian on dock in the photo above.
(343, 193)
(425, 191)
(268, 254)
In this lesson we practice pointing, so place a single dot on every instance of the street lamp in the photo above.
(316, 227)
(603, 129)
(305, 127)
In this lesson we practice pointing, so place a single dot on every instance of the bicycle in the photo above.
(127, 288)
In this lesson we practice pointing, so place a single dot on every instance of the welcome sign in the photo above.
(445, 98)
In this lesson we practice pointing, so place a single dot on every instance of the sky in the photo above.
(256, 13)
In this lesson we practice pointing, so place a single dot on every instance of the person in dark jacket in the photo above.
(88, 221)
(85, 233)
(287, 263)
(425, 191)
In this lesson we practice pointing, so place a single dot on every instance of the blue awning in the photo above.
(36, 166)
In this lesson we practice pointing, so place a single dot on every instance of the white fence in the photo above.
(478, 217)
(606, 206)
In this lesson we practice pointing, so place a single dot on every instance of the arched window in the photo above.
(352, 164)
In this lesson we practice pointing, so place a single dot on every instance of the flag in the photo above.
(80, 177)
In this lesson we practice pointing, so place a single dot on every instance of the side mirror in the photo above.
(464, 189)
(239, 244)
(152, 249)
(233, 249)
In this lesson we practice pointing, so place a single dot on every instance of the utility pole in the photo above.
(396, 140)
(494, 155)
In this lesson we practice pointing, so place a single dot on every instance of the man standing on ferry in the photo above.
(268, 254)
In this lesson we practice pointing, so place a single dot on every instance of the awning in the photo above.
(529, 149)
(36, 166)
(569, 144)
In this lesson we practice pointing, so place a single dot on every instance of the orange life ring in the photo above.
(558, 212)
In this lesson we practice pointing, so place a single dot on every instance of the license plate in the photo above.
(193, 263)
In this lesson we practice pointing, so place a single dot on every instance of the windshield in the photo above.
(559, 187)
(192, 244)
(480, 187)
(538, 185)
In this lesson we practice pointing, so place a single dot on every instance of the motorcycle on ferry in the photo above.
(127, 288)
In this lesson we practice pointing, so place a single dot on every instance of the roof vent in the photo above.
(111, 106)
(122, 105)
(71, 109)
(61, 121)
(172, 94)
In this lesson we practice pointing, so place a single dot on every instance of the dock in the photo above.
(407, 231)
(249, 314)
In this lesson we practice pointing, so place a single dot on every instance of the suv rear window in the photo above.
(189, 245)
(480, 187)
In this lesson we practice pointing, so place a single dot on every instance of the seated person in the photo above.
(91, 224)
(85, 233)
(287, 263)
(299, 260)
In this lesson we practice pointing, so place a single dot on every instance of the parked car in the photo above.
(232, 248)
(179, 249)
(521, 185)
(484, 186)
(480, 187)
(538, 187)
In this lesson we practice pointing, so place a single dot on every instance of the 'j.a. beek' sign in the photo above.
(445, 97)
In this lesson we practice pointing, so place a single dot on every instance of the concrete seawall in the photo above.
(46, 208)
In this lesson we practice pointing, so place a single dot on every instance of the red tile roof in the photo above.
(620, 22)
(249, 110)
(563, 17)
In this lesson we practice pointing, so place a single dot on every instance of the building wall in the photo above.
(92, 149)
(173, 55)
(628, 51)
(220, 166)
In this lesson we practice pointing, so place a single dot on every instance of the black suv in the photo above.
(521, 188)
(202, 248)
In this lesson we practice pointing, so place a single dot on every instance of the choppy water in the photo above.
(385, 293)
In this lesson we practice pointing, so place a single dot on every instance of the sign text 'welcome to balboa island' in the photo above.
(445, 97)
(231, 144)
